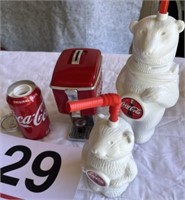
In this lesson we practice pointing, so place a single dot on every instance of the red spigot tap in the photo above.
(164, 7)
(111, 99)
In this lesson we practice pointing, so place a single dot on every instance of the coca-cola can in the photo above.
(25, 100)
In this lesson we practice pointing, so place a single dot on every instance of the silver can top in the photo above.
(21, 88)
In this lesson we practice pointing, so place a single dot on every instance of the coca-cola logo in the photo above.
(35, 119)
(131, 108)
(95, 178)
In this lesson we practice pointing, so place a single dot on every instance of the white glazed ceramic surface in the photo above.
(107, 157)
(150, 74)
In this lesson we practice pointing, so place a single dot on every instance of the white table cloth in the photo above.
(161, 161)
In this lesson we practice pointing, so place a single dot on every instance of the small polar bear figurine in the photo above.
(107, 158)
(149, 81)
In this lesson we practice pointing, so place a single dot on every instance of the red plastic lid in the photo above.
(77, 68)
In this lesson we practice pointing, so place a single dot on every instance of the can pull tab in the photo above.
(9, 124)
(76, 57)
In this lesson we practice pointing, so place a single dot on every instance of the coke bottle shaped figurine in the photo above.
(149, 82)
(107, 158)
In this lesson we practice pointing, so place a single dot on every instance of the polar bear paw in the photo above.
(152, 95)
(143, 136)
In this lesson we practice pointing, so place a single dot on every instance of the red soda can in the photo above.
(27, 105)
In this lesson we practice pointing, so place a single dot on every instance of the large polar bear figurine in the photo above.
(149, 82)
(107, 157)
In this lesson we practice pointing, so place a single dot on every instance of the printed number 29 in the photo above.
(36, 168)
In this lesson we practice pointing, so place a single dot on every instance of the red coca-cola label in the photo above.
(29, 110)
(93, 176)
(35, 119)
(131, 108)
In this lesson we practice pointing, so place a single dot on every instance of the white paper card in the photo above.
(38, 170)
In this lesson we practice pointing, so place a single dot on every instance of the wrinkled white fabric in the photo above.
(56, 25)
(161, 166)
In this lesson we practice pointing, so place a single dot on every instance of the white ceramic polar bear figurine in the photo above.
(149, 82)
(107, 157)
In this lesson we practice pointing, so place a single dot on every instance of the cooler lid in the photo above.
(77, 68)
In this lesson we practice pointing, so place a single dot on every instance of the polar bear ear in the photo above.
(132, 26)
(180, 25)
(129, 136)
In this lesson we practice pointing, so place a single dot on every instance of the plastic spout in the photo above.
(164, 7)
(112, 100)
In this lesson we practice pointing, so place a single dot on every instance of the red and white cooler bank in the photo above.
(77, 75)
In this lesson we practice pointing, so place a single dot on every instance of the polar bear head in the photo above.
(111, 140)
(156, 37)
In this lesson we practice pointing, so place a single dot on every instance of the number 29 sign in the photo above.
(32, 169)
